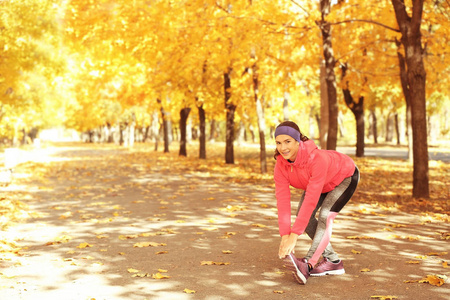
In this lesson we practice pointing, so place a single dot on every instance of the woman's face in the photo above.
(287, 146)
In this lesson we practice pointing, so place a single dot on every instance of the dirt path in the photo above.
(106, 220)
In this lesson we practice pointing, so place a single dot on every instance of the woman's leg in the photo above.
(331, 206)
(312, 226)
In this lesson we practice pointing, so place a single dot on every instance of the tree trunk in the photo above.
(155, 130)
(323, 128)
(261, 121)
(230, 109)
(416, 75)
(184, 114)
(397, 128)
(357, 109)
(330, 77)
(374, 127)
(202, 139)
(212, 130)
(389, 135)
(406, 93)
(165, 125)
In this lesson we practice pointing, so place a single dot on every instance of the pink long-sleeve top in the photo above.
(315, 171)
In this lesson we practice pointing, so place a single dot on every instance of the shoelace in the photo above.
(321, 263)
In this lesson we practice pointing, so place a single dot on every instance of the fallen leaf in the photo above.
(421, 256)
(84, 245)
(436, 253)
(227, 251)
(354, 237)
(413, 262)
(188, 291)
(436, 280)
(141, 275)
(159, 276)
(162, 252)
(410, 281)
(356, 252)
(148, 244)
(278, 292)
(210, 263)
(131, 270)
(384, 297)
(445, 264)
(162, 271)
(259, 225)
(126, 237)
(365, 270)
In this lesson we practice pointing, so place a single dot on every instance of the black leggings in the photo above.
(330, 204)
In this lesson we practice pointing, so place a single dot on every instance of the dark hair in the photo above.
(291, 124)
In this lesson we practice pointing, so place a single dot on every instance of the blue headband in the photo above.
(292, 132)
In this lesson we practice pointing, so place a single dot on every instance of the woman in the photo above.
(329, 180)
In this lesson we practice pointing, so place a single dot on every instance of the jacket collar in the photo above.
(304, 150)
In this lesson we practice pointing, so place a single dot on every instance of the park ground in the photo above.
(97, 222)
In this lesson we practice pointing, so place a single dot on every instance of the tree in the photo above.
(330, 77)
(357, 108)
(410, 28)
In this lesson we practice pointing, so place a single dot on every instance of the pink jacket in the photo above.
(315, 171)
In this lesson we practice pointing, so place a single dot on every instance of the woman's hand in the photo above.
(287, 245)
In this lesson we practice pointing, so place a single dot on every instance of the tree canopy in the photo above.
(88, 63)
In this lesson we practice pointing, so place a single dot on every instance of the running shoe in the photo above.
(327, 267)
(299, 268)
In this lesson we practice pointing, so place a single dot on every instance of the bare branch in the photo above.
(366, 21)
(302, 8)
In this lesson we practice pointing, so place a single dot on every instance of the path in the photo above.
(400, 153)
(108, 219)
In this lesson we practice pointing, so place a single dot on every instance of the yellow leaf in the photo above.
(84, 245)
(131, 270)
(227, 251)
(384, 297)
(159, 276)
(259, 225)
(147, 244)
(413, 262)
(410, 281)
(436, 280)
(365, 270)
(188, 291)
(162, 252)
(356, 252)
(278, 292)
(121, 253)
(354, 237)
(63, 239)
(141, 275)
(210, 263)
(126, 237)
(445, 264)
(436, 253)
(264, 205)
(146, 234)
(162, 271)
